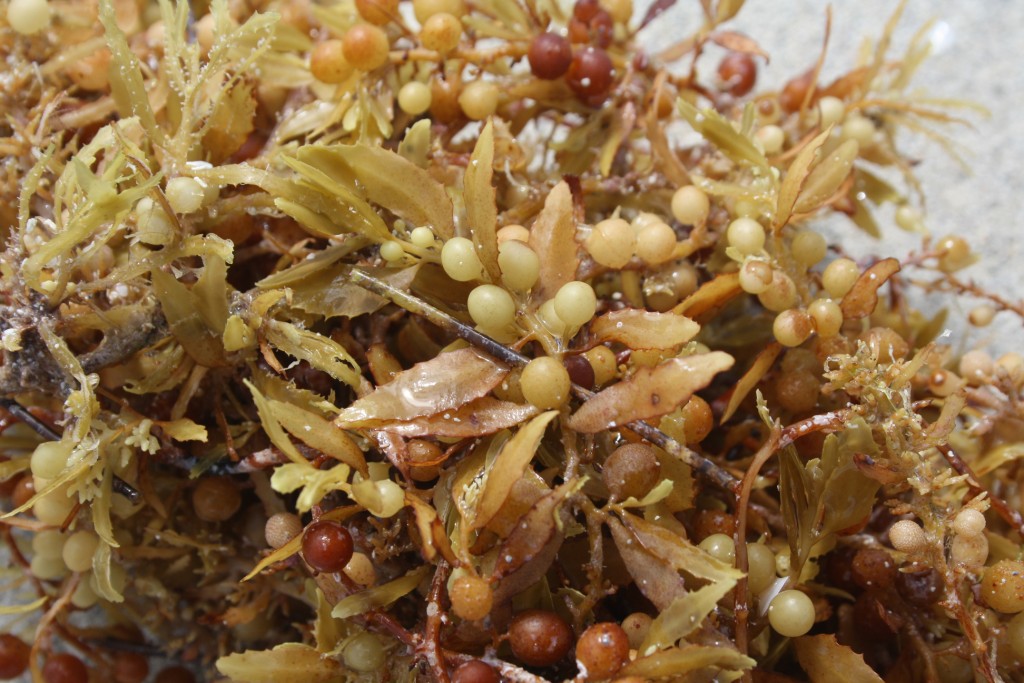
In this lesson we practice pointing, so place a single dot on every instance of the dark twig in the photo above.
(41, 428)
(44, 430)
(700, 464)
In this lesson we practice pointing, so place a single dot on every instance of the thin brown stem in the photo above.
(1009, 515)
(430, 648)
(742, 609)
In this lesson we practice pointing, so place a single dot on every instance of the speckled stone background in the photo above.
(978, 51)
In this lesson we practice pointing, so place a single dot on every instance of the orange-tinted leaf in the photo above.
(640, 329)
(553, 237)
(738, 42)
(483, 416)
(479, 195)
(862, 298)
(750, 378)
(446, 382)
(826, 661)
(711, 296)
(651, 392)
(657, 580)
(509, 466)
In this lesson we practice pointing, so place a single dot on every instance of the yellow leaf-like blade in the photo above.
(675, 662)
(126, 84)
(339, 207)
(271, 425)
(509, 466)
(392, 181)
(6, 610)
(479, 194)
(180, 308)
(827, 176)
(678, 552)
(287, 663)
(318, 433)
(684, 615)
(279, 555)
(184, 430)
(718, 130)
(651, 392)
(315, 483)
(795, 178)
(319, 351)
(379, 596)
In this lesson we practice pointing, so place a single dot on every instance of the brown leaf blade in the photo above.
(657, 579)
(443, 383)
(651, 392)
(553, 237)
(750, 378)
(640, 329)
(826, 661)
(862, 298)
(531, 547)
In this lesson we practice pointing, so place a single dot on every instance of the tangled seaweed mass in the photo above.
(381, 340)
